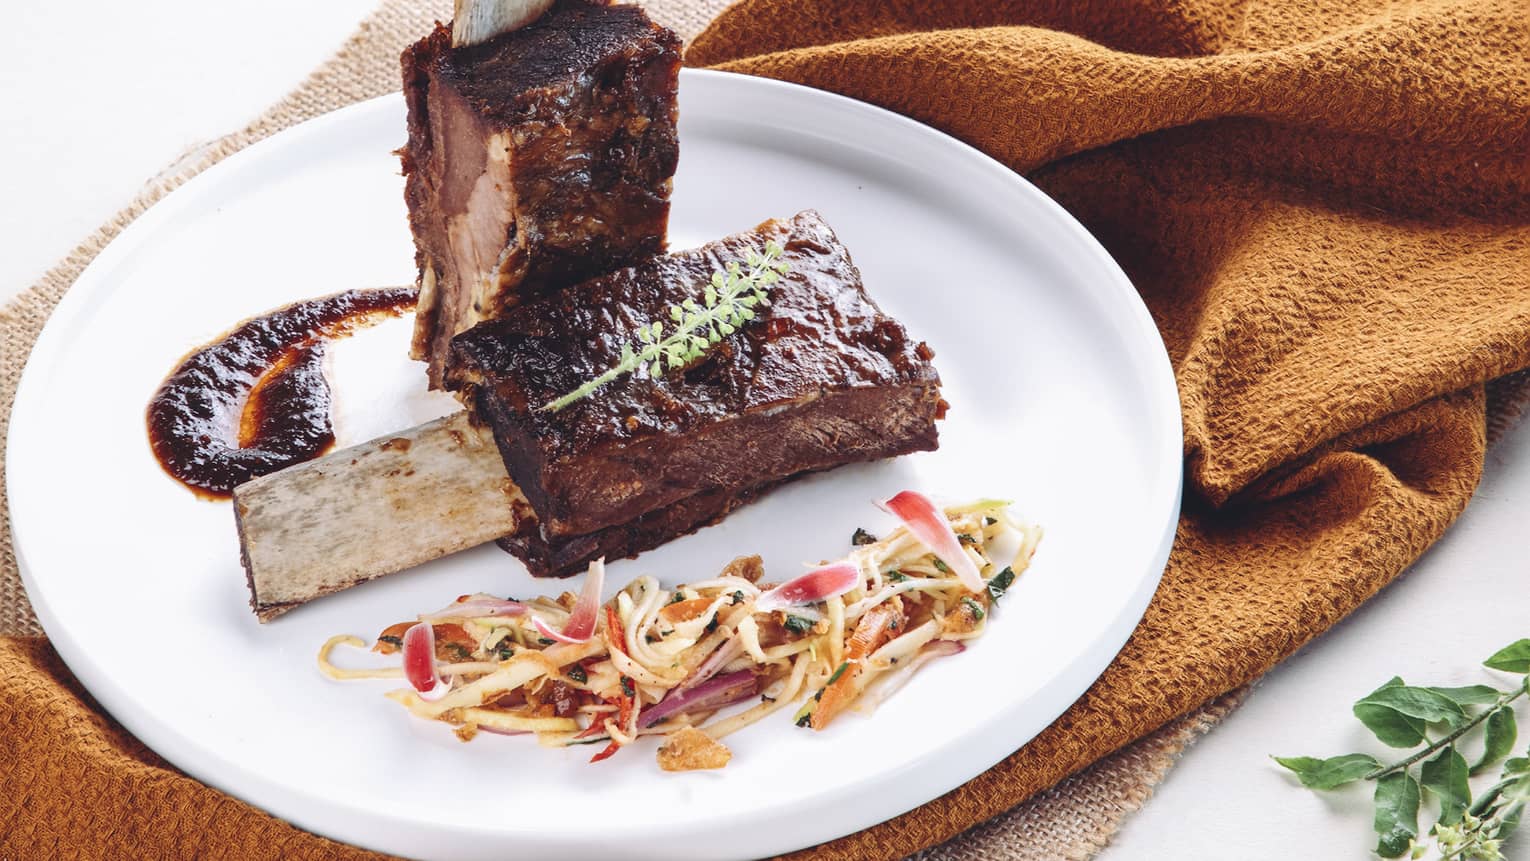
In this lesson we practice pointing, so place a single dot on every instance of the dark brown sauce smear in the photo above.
(256, 400)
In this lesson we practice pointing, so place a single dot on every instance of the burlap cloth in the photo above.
(1326, 206)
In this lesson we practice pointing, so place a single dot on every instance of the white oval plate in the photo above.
(1062, 400)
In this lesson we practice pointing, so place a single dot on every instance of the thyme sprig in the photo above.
(1405, 716)
(727, 303)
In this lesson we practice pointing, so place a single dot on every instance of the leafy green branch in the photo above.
(727, 303)
(1404, 716)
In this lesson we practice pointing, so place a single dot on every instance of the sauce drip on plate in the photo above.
(256, 400)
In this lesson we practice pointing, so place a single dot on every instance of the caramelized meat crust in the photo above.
(821, 378)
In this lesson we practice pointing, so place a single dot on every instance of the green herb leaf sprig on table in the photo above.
(727, 303)
(1438, 721)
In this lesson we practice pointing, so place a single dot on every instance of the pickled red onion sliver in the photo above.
(930, 525)
(714, 694)
(581, 622)
(475, 607)
(820, 584)
(720, 658)
(420, 662)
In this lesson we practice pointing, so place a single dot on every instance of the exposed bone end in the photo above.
(382, 506)
(478, 21)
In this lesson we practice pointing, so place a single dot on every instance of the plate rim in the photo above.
(293, 804)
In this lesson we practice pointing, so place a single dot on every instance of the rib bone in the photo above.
(373, 509)
(477, 21)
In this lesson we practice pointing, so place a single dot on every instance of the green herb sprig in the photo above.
(1437, 720)
(1000, 583)
(727, 303)
(798, 625)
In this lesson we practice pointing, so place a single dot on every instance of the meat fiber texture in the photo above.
(535, 160)
(820, 378)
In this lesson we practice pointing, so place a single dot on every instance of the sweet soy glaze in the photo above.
(256, 400)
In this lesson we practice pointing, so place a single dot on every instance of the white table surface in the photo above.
(141, 83)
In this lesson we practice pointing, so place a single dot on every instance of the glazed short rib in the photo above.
(535, 160)
(820, 378)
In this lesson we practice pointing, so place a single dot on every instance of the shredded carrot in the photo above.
(874, 629)
(682, 611)
(616, 637)
(610, 750)
(624, 705)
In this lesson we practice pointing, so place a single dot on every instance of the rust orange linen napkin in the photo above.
(1326, 206)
